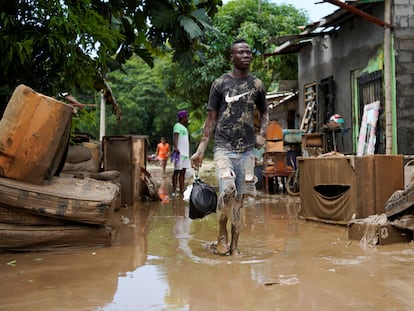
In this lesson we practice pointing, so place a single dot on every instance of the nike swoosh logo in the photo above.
(231, 99)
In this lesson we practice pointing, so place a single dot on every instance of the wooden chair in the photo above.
(274, 158)
(275, 166)
(274, 137)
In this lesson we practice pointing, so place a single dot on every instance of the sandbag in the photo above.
(78, 154)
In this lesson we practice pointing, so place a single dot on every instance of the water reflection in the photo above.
(161, 261)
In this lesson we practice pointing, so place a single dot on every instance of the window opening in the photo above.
(370, 90)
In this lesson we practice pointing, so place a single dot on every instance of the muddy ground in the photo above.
(161, 260)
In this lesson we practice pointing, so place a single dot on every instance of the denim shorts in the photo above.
(235, 170)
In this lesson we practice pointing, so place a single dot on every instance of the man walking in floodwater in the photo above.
(232, 101)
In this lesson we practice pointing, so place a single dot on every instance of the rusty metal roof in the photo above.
(331, 23)
(278, 98)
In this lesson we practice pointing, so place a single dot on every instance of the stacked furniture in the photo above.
(275, 157)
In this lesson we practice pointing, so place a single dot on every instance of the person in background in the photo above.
(233, 98)
(181, 152)
(162, 153)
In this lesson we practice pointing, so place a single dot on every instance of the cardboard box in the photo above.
(384, 234)
(377, 178)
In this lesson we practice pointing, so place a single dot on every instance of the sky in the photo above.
(315, 8)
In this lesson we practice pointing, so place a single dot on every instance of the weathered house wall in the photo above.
(285, 114)
(403, 21)
(341, 55)
(356, 49)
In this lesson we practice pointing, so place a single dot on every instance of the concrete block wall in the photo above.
(403, 22)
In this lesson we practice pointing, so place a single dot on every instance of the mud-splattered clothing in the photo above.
(235, 100)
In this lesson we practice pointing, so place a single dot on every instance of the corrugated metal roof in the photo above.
(294, 43)
(279, 98)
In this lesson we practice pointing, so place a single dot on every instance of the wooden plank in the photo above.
(18, 216)
(81, 200)
(27, 238)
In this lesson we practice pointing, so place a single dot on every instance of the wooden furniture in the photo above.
(274, 157)
(126, 154)
(275, 166)
(313, 144)
(274, 137)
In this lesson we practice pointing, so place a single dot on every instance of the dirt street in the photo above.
(161, 260)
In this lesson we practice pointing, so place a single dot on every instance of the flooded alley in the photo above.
(162, 260)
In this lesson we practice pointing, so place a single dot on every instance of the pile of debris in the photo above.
(400, 208)
(38, 207)
(396, 225)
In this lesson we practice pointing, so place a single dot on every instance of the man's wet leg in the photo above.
(222, 240)
(227, 185)
(226, 200)
(235, 232)
(236, 220)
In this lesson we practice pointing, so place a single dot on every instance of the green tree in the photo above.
(59, 45)
(146, 108)
(257, 22)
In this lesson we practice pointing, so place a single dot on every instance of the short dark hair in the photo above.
(237, 41)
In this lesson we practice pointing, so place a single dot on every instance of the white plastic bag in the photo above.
(187, 193)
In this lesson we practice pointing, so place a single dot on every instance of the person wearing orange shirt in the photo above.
(162, 153)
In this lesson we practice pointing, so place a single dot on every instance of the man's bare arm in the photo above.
(208, 130)
(261, 138)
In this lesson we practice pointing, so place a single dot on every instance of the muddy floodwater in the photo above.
(162, 260)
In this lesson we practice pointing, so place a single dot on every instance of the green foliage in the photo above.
(59, 45)
(83, 121)
(151, 98)
(47, 44)
(257, 22)
(67, 45)
(146, 108)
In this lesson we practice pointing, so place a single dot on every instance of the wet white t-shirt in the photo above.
(183, 143)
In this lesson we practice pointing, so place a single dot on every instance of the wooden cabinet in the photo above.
(126, 154)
